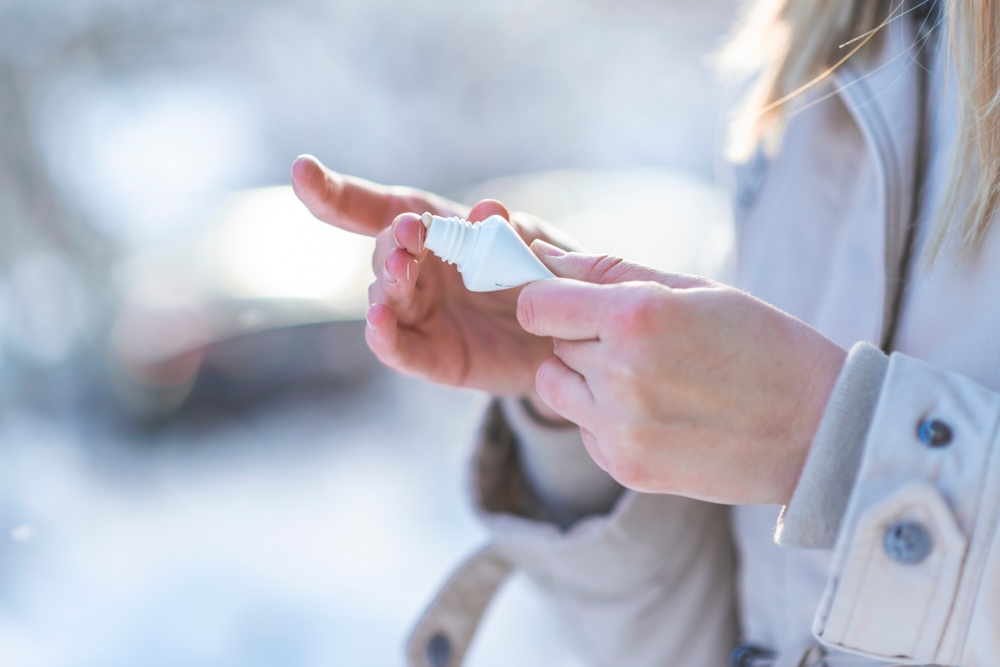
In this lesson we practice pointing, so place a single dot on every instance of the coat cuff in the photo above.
(812, 518)
(914, 568)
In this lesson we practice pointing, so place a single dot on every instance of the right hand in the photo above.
(422, 320)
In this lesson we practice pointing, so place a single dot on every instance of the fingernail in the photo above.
(389, 278)
(368, 320)
(542, 248)
(407, 270)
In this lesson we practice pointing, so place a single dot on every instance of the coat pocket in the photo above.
(898, 584)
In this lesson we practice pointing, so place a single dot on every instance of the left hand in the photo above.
(679, 384)
(422, 320)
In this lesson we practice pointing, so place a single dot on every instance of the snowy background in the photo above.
(200, 463)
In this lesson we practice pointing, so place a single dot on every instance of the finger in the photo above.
(486, 208)
(579, 356)
(347, 202)
(562, 308)
(408, 233)
(605, 269)
(400, 272)
(384, 244)
(395, 286)
(565, 391)
(593, 447)
(356, 204)
(395, 346)
(401, 234)
(382, 336)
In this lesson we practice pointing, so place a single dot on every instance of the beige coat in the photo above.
(913, 575)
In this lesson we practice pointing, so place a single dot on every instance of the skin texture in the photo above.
(679, 385)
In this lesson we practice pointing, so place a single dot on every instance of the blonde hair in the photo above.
(792, 45)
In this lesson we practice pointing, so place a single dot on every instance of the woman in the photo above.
(858, 386)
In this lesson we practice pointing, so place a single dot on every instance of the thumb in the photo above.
(606, 269)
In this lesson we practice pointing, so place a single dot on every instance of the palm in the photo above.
(472, 339)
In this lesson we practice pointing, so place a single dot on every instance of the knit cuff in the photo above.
(812, 518)
(557, 467)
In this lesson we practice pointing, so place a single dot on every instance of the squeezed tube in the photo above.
(490, 255)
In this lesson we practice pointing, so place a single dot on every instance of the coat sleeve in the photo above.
(649, 582)
(916, 566)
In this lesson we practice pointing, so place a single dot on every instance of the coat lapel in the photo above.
(885, 95)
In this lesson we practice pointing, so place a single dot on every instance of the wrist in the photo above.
(818, 391)
(556, 466)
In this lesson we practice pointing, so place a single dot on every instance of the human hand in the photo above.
(679, 384)
(422, 320)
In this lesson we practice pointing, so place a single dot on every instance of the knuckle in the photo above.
(549, 387)
(525, 311)
(635, 318)
(607, 268)
(643, 311)
(561, 348)
(545, 381)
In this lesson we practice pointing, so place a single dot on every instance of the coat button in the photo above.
(907, 542)
(439, 650)
(934, 433)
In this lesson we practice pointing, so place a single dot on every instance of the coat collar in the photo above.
(885, 96)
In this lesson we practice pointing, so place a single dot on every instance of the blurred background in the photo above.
(200, 462)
